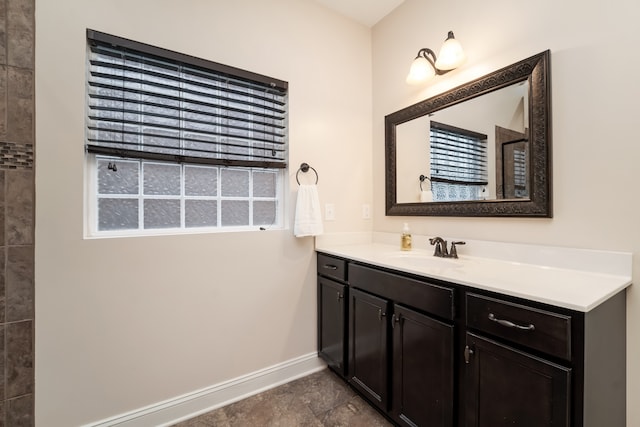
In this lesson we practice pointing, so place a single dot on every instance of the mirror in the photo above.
(481, 149)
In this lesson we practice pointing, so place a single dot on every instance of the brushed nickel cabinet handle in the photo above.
(509, 324)
(330, 267)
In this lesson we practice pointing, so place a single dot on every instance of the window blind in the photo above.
(458, 156)
(150, 103)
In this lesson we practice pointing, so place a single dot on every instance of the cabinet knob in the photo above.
(381, 314)
(338, 296)
(395, 319)
(467, 354)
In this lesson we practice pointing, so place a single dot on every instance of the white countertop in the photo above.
(576, 279)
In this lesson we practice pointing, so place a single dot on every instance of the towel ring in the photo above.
(422, 178)
(304, 167)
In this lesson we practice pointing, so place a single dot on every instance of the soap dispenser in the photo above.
(405, 239)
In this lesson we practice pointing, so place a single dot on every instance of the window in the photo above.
(458, 163)
(176, 142)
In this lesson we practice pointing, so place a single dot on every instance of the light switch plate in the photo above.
(329, 212)
(366, 211)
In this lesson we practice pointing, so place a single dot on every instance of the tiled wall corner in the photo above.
(3, 97)
(19, 287)
(3, 298)
(20, 28)
(17, 195)
(18, 337)
(3, 32)
(19, 411)
(3, 394)
(20, 105)
(19, 207)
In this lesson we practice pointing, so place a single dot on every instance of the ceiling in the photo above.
(367, 12)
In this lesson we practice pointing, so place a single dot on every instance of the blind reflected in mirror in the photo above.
(461, 150)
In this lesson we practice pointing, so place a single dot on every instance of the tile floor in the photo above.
(320, 399)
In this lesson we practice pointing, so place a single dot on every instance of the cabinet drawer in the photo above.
(332, 267)
(537, 329)
(425, 296)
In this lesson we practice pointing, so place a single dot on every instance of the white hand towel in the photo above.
(426, 196)
(308, 221)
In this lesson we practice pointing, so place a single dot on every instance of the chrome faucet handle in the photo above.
(454, 251)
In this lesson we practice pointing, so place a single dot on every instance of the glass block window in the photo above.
(146, 195)
(458, 163)
(520, 172)
(178, 142)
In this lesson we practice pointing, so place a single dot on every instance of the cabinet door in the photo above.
(331, 323)
(368, 345)
(422, 369)
(506, 387)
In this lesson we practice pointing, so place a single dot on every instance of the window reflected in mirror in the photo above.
(458, 164)
(476, 150)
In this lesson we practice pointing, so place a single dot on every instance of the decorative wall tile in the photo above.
(19, 412)
(19, 359)
(19, 211)
(16, 156)
(20, 33)
(19, 289)
(20, 105)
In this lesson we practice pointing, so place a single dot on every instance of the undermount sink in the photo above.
(424, 260)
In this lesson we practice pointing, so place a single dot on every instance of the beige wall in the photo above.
(125, 323)
(596, 148)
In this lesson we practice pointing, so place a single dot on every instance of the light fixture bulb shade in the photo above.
(451, 54)
(421, 71)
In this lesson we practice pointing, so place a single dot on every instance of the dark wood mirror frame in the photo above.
(536, 71)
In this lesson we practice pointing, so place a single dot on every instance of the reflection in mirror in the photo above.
(460, 149)
(481, 149)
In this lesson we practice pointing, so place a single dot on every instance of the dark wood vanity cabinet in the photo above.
(431, 353)
(368, 346)
(332, 312)
(532, 364)
(506, 387)
(423, 371)
(509, 386)
(400, 354)
(332, 315)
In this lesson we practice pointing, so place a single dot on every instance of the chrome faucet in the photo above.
(441, 247)
(441, 250)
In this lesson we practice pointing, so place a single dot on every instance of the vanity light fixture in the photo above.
(426, 65)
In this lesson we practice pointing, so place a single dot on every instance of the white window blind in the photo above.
(150, 103)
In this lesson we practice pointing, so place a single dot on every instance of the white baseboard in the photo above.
(199, 402)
